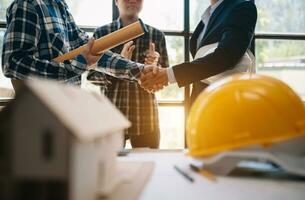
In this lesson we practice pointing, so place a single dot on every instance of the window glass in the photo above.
(91, 12)
(3, 6)
(273, 15)
(197, 8)
(284, 60)
(163, 14)
(6, 88)
(175, 50)
(171, 120)
(281, 16)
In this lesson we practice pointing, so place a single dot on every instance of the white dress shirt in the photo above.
(205, 19)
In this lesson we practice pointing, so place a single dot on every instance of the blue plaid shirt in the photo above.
(38, 31)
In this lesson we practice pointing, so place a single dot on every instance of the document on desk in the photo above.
(190, 166)
(135, 176)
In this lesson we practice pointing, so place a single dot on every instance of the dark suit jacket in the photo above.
(232, 25)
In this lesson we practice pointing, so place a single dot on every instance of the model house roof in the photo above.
(86, 115)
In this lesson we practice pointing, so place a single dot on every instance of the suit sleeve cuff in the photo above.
(171, 75)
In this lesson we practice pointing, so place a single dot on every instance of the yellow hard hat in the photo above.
(243, 110)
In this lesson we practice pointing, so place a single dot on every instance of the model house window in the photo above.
(47, 144)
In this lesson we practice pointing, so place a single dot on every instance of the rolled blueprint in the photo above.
(109, 41)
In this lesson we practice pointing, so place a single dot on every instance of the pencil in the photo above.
(183, 173)
(204, 173)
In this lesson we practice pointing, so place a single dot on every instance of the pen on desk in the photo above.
(183, 173)
(204, 173)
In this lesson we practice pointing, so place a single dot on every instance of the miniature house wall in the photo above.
(59, 137)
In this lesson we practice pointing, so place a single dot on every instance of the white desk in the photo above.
(167, 183)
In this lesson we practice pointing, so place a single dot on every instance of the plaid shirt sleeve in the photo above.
(20, 54)
(115, 65)
(81, 37)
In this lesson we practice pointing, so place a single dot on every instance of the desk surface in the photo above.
(166, 183)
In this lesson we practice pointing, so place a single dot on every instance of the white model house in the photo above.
(59, 142)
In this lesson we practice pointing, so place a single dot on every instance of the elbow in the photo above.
(223, 58)
(7, 72)
(233, 56)
(8, 68)
(5, 65)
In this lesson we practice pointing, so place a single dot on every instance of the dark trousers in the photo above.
(146, 140)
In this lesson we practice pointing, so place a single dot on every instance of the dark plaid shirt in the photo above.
(40, 30)
(138, 106)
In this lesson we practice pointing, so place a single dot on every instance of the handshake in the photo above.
(153, 77)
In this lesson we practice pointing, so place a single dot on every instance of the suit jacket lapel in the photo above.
(193, 41)
(214, 18)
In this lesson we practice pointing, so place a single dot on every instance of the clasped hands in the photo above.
(153, 77)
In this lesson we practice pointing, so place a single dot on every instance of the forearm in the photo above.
(202, 68)
(119, 67)
(21, 66)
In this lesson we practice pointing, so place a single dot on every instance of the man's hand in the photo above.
(128, 50)
(90, 58)
(152, 56)
(153, 78)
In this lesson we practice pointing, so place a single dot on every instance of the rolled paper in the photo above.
(109, 41)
